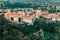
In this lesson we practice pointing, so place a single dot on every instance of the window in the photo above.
(19, 19)
(51, 17)
(12, 18)
(59, 15)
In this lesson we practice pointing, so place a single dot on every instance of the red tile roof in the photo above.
(23, 15)
(53, 16)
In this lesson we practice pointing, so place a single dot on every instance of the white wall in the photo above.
(15, 19)
(27, 21)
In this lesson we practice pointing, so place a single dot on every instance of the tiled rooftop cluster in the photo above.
(28, 18)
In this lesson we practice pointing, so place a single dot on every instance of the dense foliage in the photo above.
(9, 31)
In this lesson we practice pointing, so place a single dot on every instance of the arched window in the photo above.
(12, 18)
(19, 19)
